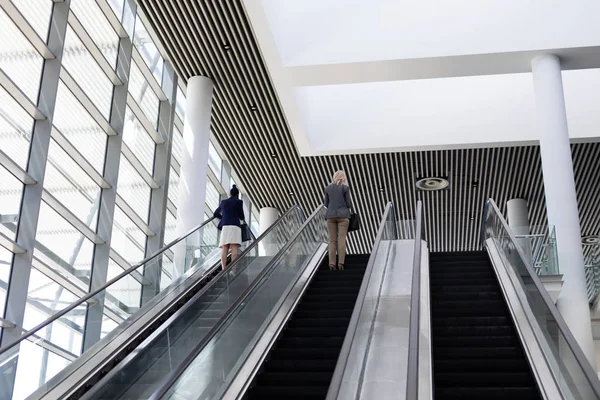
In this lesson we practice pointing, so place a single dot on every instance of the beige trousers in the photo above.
(338, 228)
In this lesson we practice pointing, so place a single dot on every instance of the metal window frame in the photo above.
(161, 172)
(108, 198)
(18, 283)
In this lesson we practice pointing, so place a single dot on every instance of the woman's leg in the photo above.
(342, 231)
(224, 253)
(332, 227)
(235, 249)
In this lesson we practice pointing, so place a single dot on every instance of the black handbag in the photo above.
(354, 224)
(246, 234)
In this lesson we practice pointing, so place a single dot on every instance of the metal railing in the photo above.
(412, 379)
(572, 371)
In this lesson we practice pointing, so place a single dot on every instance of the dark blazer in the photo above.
(337, 200)
(230, 211)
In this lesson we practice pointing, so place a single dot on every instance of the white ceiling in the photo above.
(383, 75)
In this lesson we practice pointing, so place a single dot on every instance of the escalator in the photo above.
(130, 361)
(477, 353)
(301, 364)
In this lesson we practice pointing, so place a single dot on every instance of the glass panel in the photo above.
(166, 275)
(213, 197)
(219, 360)
(5, 263)
(127, 239)
(214, 160)
(87, 73)
(180, 106)
(571, 370)
(67, 182)
(62, 246)
(170, 227)
(169, 349)
(117, 7)
(173, 194)
(143, 42)
(138, 141)
(133, 189)
(44, 299)
(127, 291)
(77, 125)
(36, 366)
(37, 14)
(15, 129)
(11, 192)
(97, 26)
(177, 150)
(18, 59)
(143, 94)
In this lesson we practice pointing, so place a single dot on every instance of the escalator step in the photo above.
(477, 353)
(488, 393)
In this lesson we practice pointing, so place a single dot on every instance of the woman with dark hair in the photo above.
(231, 213)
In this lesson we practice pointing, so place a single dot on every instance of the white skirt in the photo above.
(230, 234)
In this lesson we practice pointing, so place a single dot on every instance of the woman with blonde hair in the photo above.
(338, 204)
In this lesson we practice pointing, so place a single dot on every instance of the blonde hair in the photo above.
(339, 178)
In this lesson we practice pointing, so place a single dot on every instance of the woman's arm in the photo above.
(326, 199)
(347, 198)
(218, 211)
(241, 211)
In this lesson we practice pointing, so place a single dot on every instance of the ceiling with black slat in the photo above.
(213, 38)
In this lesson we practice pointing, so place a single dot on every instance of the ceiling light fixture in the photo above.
(253, 108)
(381, 189)
(590, 240)
(273, 155)
(227, 47)
(432, 184)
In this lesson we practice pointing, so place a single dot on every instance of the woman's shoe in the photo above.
(332, 267)
(341, 267)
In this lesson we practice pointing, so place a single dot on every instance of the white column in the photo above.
(267, 217)
(518, 220)
(561, 199)
(194, 163)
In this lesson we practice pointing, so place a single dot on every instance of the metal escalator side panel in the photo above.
(568, 365)
(216, 358)
(527, 330)
(264, 342)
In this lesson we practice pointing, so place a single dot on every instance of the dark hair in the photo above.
(234, 191)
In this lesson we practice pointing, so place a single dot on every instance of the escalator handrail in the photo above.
(128, 271)
(412, 371)
(181, 368)
(342, 362)
(580, 357)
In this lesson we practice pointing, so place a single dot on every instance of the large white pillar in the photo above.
(194, 164)
(518, 220)
(561, 199)
(267, 217)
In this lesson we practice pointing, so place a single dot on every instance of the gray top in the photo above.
(337, 201)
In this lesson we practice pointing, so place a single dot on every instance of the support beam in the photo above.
(561, 198)
(158, 197)
(16, 296)
(95, 313)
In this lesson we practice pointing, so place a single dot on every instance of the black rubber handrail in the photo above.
(177, 372)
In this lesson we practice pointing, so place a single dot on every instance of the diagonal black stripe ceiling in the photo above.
(214, 38)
